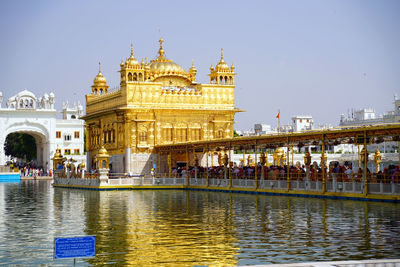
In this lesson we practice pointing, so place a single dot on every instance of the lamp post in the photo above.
(196, 166)
(226, 161)
(364, 159)
(169, 160)
(307, 162)
(103, 158)
(377, 159)
(262, 161)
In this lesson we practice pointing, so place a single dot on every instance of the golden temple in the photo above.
(157, 103)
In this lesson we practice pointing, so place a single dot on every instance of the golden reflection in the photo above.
(164, 230)
(185, 228)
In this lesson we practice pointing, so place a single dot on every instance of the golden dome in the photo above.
(166, 67)
(222, 66)
(193, 68)
(163, 65)
(102, 152)
(99, 77)
(57, 155)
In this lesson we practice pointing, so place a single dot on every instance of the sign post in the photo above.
(75, 247)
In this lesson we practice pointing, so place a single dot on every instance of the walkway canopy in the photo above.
(357, 136)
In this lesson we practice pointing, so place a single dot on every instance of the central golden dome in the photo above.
(163, 65)
(166, 67)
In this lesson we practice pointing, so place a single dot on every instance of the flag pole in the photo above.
(279, 120)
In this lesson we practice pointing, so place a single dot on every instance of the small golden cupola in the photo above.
(222, 74)
(192, 72)
(99, 86)
(131, 70)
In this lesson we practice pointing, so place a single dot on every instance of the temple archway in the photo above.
(40, 136)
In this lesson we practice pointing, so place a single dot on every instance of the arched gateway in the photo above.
(24, 113)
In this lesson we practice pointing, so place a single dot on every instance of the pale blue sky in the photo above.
(314, 58)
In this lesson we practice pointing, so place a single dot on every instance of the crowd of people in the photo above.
(30, 169)
(342, 173)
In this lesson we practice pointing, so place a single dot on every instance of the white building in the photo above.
(367, 116)
(260, 129)
(25, 113)
(302, 123)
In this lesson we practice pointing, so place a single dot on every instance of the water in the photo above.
(184, 228)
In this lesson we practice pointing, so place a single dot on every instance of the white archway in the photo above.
(40, 133)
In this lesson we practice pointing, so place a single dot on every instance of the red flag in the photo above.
(278, 116)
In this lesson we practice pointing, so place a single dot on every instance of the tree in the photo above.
(235, 134)
(20, 145)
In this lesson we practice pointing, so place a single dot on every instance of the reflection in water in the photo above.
(182, 228)
(153, 227)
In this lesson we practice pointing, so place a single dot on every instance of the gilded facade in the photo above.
(158, 102)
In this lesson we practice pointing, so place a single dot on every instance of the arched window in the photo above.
(140, 77)
(167, 134)
(67, 137)
(196, 134)
(181, 134)
(73, 117)
(113, 136)
(230, 80)
(226, 80)
(129, 76)
(21, 103)
(220, 133)
(135, 76)
(143, 137)
(95, 91)
(109, 136)
(220, 79)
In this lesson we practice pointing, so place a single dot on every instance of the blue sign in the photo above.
(154, 166)
(75, 247)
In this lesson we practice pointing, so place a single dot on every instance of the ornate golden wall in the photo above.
(159, 103)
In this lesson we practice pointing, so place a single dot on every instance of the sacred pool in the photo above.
(185, 228)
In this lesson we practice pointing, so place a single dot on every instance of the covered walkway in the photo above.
(209, 163)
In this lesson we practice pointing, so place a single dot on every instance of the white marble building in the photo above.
(367, 116)
(25, 113)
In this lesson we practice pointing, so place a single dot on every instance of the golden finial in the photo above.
(161, 42)
(222, 54)
(131, 50)
(99, 67)
(161, 50)
(192, 62)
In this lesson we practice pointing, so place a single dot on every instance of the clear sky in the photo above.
(309, 57)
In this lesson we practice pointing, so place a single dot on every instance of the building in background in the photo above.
(302, 123)
(157, 103)
(367, 116)
(25, 113)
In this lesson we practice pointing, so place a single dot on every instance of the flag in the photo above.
(278, 116)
